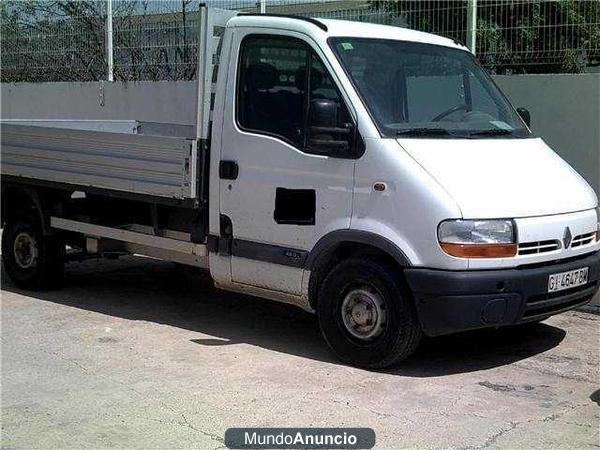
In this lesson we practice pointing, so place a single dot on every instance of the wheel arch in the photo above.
(337, 245)
(17, 199)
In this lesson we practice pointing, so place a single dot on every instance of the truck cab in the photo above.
(378, 177)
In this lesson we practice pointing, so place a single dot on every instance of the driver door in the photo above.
(284, 196)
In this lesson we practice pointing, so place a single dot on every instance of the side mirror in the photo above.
(524, 113)
(325, 133)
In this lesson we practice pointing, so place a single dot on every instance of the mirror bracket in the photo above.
(524, 114)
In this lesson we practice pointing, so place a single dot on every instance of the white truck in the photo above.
(373, 175)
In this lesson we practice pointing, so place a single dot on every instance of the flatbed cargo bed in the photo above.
(161, 161)
(135, 163)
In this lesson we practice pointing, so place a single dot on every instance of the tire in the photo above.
(366, 314)
(32, 261)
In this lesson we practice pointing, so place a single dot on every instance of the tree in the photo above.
(536, 36)
(65, 40)
(52, 41)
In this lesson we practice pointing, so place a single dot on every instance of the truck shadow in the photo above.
(144, 289)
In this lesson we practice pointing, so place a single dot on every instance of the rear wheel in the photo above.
(31, 260)
(366, 314)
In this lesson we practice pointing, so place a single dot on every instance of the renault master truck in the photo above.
(373, 175)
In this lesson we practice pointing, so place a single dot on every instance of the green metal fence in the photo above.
(64, 40)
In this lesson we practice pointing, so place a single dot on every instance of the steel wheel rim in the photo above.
(25, 251)
(363, 313)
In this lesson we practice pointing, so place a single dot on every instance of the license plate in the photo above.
(566, 280)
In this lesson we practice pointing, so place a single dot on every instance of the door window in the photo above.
(278, 78)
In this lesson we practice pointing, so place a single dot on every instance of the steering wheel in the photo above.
(450, 111)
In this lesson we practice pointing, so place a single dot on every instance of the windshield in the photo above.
(414, 89)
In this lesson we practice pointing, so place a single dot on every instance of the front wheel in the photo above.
(31, 260)
(366, 315)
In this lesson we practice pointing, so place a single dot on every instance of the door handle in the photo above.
(228, 170)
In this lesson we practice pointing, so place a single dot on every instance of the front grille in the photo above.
(553, 302)
(532, 248)
(583, 239)
(555, 262)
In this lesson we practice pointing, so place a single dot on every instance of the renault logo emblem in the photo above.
(567, 237)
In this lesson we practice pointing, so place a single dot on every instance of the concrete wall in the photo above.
(151, 101)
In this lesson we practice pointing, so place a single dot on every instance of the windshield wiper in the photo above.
(496, 132)
(423, 132)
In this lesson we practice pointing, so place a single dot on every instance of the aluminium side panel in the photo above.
(133, 163)
(111, 126)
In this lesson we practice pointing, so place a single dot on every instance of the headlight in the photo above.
(478, 238)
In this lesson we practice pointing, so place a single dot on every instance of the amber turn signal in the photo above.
(480, 250)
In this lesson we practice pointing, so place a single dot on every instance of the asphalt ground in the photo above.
(139, 353)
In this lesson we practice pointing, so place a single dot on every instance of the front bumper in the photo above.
(450, 301)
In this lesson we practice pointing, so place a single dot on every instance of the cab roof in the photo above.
(324, 28)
